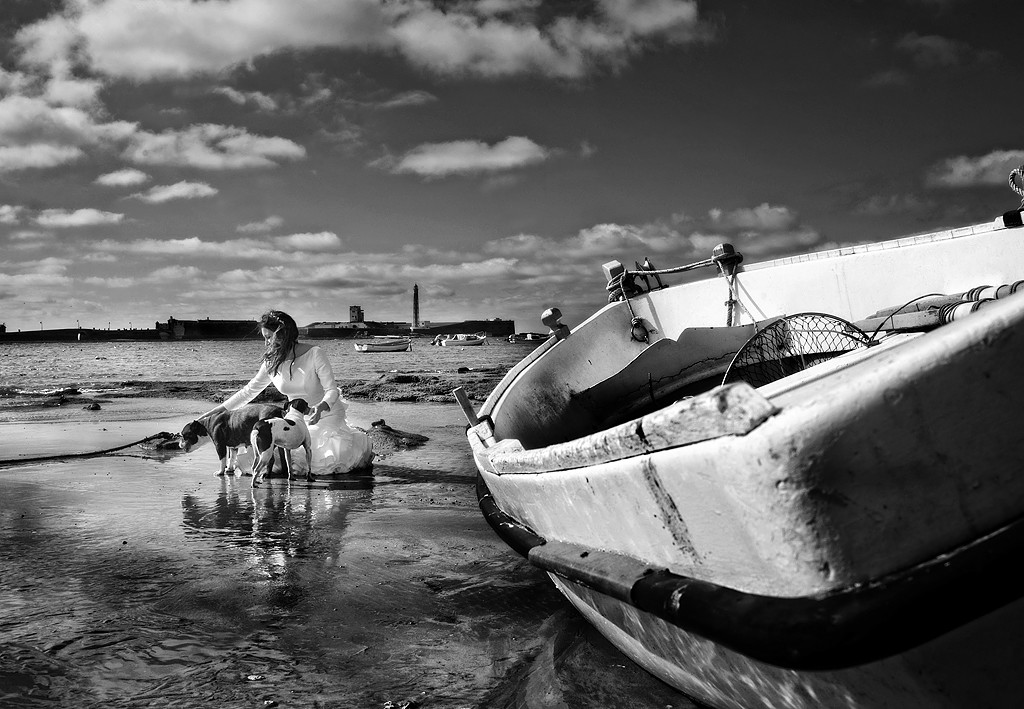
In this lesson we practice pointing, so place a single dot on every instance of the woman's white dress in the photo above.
(337, 447)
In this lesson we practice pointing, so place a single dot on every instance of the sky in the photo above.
(217, 158)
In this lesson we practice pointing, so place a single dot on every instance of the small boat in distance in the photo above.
(385, 343)
(527, 337)
(790, 484)
(460, 340)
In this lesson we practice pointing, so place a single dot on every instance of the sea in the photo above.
(140, 578)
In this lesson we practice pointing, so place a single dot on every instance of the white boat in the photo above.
(385, 343)
(792, 484)
(462, 340)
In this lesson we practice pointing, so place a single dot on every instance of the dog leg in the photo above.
(222, 454)
(288, 463)
(309, 463)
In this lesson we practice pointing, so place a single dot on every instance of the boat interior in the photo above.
(771, 355)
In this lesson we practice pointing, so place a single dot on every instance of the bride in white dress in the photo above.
(302, 371)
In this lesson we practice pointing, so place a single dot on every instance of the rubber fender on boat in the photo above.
(958, 311)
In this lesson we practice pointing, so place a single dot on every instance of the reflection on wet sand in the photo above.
(275, 523)
(133, 581)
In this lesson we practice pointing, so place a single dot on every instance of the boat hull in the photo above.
(395, 346)
(878, 463)
(976, 665)
(471, 342)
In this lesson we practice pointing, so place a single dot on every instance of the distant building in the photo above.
(355, 313)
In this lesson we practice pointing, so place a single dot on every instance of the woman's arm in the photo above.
(331, 392)
(249, 391)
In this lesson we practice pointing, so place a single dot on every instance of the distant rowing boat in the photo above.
(462, 340)
(527, 337)
(796, 484)
(385, 343)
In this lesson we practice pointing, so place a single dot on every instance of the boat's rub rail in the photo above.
(732, 410)
(852, 626)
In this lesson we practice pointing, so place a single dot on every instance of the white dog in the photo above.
(287, 433)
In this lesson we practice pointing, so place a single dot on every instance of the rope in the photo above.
(1019, 189)
(91, 454)
(617, 290)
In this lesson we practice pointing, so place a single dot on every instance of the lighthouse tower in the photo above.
(415, 307)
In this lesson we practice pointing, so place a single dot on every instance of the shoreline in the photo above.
(423, 387)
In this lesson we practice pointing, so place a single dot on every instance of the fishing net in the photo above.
(792, 344)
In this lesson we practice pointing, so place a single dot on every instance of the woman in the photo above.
(301, 371)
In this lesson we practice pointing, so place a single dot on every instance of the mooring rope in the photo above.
(89, 454)
(1019, 189)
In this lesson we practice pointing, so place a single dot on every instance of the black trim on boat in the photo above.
(510, 530)
(851, 626)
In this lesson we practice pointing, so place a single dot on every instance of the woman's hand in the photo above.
(321, 408)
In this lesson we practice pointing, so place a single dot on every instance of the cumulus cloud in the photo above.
(269, 224)
(934, 51)
(761, 230)
(64, 219)
(763, 217)
(9, 213)
(323, 241)
(965, 171)
(211, 147)
(464, 157)
(179, 190)
(161, 39)
(129, 177)
(242, 98)
(174, 274)
(28, 121)
(37, 134)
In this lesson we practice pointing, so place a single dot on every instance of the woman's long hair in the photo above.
(282, 345)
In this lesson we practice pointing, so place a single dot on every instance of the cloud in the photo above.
(34, 133)
(763, 217)
(179, 190)
(934, 51)
(323, 241)
(242, 98)
(37, 155)
(269, 224)
(465, 157)
(884, 205)
(211, 147)
(406, 99)
(161, 39)
(128, 177)
(174, 274)
(887, 78)
(10, 214)
(964, 171)
(64, 219)
(761, 230)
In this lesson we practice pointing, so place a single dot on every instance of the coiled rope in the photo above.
(622, 286)
(89, 454)
(1019, 189)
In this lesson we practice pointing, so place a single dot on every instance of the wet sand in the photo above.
(141, 579)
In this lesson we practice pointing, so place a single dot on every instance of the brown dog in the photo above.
(227, 430)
